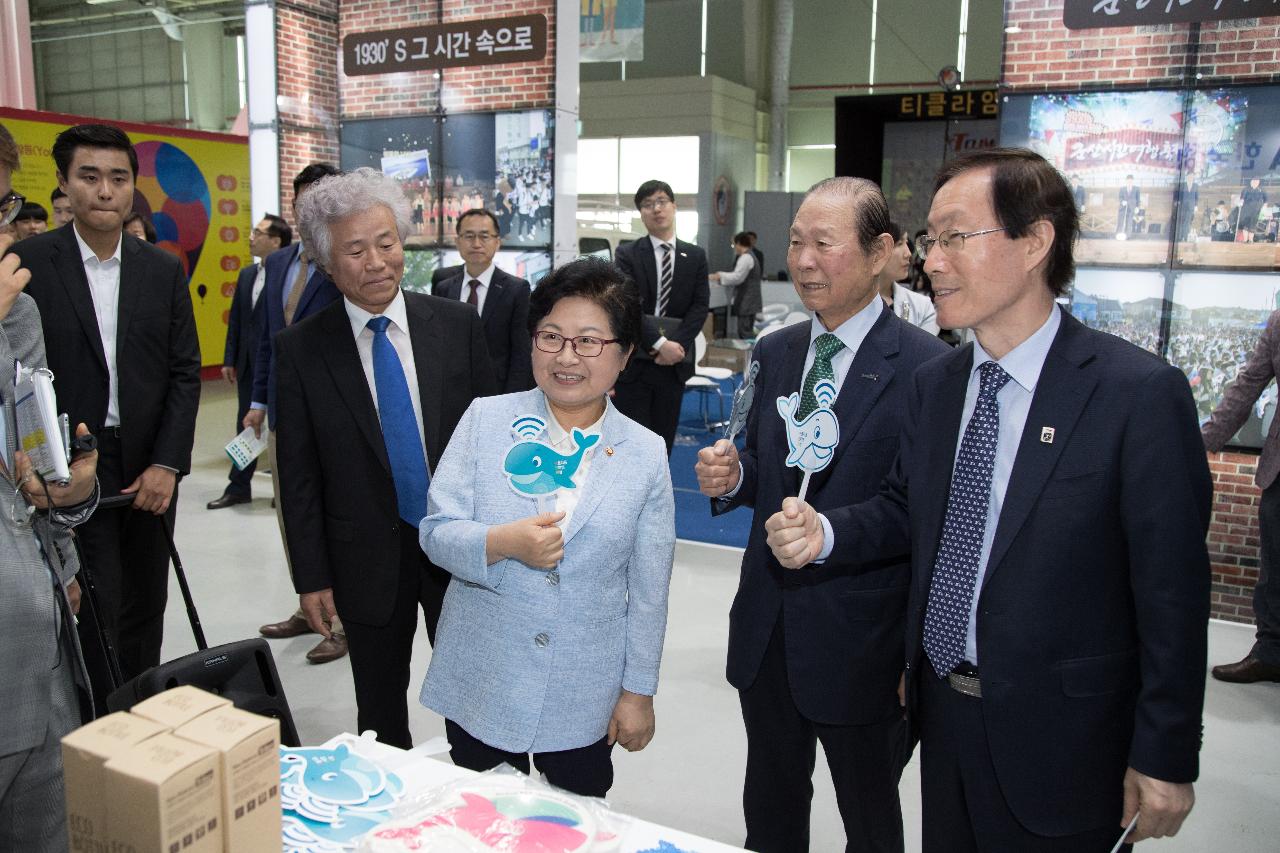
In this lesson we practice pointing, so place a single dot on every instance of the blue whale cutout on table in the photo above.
(534, 468)
(812, 442)
(336, 775)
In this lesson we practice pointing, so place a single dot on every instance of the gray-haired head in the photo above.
(870, 209)
(339, 196)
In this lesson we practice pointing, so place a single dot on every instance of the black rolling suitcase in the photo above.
(244, 672)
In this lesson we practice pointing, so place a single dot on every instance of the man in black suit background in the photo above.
(819, 658)
(1052, 488)
(244, 325)
(369, 391)
(671, 280)
(501, 299)
(296, 288)
(121, 341)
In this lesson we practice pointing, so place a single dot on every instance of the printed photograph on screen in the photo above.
(1229, 193)
(1124, 303)
(449, 165)
(1217, 319)
(611, 31)
(531, 266)
(1121, 152)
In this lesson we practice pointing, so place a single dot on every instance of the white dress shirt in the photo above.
(259, 282)
(741, 270)
(657, 265)
(398, 334)
(562, 441)
(482, 291)
(104, 286)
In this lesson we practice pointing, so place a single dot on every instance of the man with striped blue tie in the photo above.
(671, 282)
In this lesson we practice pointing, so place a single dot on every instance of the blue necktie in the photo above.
(955, 573)
(399, 427)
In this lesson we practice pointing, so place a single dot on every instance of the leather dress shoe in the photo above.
(294, 626)
(328, 650)
(1247, 671)
(227, 500)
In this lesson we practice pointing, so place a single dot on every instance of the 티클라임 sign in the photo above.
(486, 41)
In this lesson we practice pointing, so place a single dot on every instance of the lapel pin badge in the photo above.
(608, 451)
(1046, 435)
(872, 376)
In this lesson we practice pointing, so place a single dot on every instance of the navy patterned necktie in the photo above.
(955, 573)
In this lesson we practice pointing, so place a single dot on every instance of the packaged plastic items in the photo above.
(333, 796)
(504, 810)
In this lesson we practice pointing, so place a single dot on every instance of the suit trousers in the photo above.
(586, 771)
(866, 764)
(240, 483)
(127, 554)
(32, 800)
(1266, 594)
(652, 399)
(380, 653)
(964, 810)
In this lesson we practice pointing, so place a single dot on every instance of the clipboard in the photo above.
(667, 327)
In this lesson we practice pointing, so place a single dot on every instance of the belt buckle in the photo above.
(969, 685)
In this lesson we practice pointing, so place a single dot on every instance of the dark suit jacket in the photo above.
(506, 326)
(244, 327)
(844, 628)
(339, 500)
(690, 296)
(1092, 616)
(320, 292)
(1263, 366)
(157, 351)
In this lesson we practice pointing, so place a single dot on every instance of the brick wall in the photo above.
(307, 88)
(1045, 55)
(315, 95)
(1233, 535)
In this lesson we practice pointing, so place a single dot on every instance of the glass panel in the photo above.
(673, 159)
(598, 166)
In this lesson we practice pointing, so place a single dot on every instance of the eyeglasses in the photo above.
(949, 240)
(9, 207)
(583, 345)
(258, 232)
(476, 237)
(656, 204)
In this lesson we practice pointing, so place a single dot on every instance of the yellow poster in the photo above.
(194, 186)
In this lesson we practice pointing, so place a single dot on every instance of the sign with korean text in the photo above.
(485, 41)
(983, 103)
(1096, 14)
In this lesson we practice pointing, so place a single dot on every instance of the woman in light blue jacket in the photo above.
(554, 513)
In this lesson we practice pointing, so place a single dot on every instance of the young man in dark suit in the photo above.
(820, 661)
(370, 390)
(1052, 488)
(502, 300)
(671, 282)
(244, 325)
(121, 340)
(296, 288)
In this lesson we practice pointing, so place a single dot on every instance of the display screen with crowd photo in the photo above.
(1163, 177)
(448, 165)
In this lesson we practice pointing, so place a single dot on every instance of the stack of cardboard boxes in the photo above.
(182, 772)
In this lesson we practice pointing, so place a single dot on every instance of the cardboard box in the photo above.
(248, 747)
(164, 795)
(178, 705)
(84, 753)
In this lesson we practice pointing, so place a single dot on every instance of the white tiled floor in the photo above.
(690, 777)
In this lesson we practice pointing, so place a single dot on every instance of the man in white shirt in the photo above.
(501, 299)
(244, 325)
(121, 341)
(369, 392)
